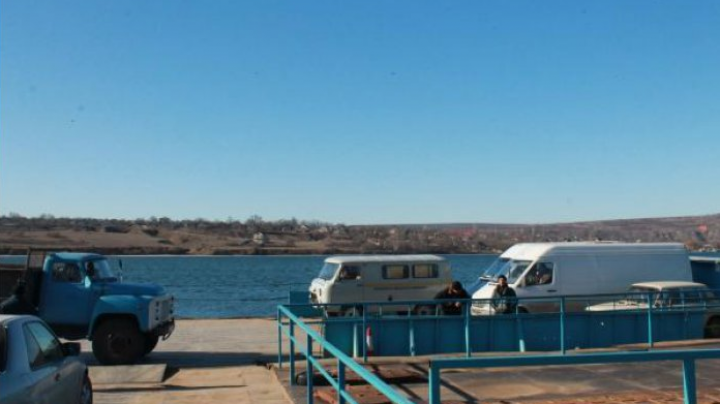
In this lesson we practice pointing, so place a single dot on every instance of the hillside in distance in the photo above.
(257, 236)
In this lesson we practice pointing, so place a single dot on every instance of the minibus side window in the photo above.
(395, 271)
(425, 271)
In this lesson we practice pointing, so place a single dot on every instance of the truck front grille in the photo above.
(162, 310)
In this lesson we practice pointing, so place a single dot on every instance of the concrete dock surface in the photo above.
(204, 361)
(230, 361)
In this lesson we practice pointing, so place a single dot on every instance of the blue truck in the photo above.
(80, 297)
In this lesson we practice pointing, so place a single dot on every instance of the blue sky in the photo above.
(360, 111)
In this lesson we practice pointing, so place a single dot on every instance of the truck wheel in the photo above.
(118, 342)
(712, 328)
(150, 343)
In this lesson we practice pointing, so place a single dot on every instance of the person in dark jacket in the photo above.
(453, 291)
(504, 299)
(17, 303)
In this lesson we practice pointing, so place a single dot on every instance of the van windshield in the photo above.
(328, 271)
(492, 271)
(512, 270)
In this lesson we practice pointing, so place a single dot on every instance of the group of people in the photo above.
(503, 301)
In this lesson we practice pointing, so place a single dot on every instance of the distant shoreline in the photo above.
(255, 237)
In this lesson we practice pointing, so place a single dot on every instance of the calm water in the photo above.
(245, 286)
(240, 286)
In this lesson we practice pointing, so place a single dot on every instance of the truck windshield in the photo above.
(512, 270)
(328, 271)
(103, 271)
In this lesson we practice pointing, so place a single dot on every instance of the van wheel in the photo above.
(351, 311)
(424, 310)
(118, 342)
(712, 328)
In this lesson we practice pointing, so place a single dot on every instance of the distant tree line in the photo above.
(697, 232)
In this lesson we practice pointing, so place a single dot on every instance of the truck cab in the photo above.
(79, 296)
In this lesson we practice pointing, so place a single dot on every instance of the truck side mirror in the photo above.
(71, 348)
(90, 272)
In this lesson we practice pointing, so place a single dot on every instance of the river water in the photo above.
(246, 286)
(242, 286)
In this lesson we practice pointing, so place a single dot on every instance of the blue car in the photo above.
(36, 368)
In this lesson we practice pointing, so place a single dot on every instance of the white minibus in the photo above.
(346, 280)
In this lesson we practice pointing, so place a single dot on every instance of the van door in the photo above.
(348, 286)
(389, 287)
(540, 283)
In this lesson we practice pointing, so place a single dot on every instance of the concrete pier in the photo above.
(226, 361)
(205, 361)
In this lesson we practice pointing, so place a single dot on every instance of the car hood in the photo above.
(136, 289)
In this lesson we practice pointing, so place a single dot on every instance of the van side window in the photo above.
(349, 273)
(395, 271)
(541, 274)
(425, 271)
(66, 272)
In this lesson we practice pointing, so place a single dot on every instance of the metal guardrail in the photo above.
(344, 362)
(688, 358)
(366, 312)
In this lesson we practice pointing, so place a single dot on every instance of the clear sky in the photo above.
(360, 112)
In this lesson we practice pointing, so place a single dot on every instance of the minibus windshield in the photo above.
(328, 271)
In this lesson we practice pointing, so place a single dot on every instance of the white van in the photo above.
(546, 270)
(345, 280)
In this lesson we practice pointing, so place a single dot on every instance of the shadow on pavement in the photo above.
(197, 359)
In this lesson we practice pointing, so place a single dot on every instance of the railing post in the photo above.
(411, 325)
(562, 325)
(468, 347)
(291, 326)
(520, 329)
(689, 381)
(279, 330)
(309, 372)
(364, 331)
(341, 381)
(434, 381)
(650, 325)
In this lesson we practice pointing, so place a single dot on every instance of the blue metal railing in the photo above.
(344, 362)
(688, 358)
(366, 313)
